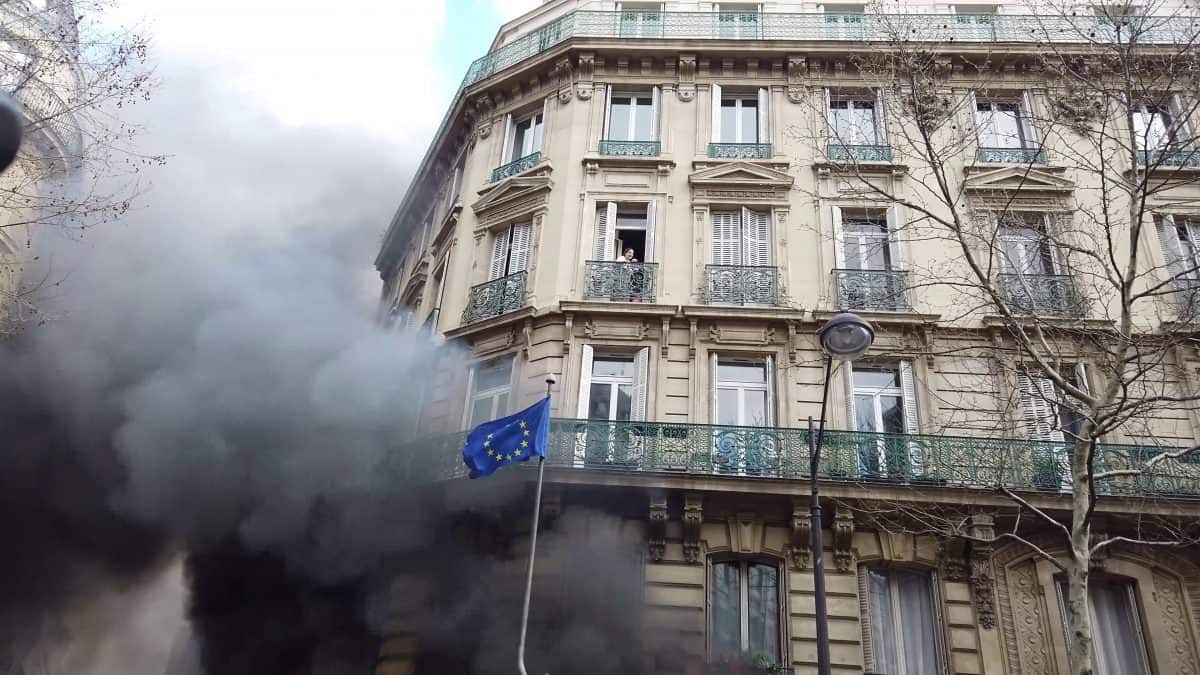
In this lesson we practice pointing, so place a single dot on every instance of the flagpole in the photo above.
(533, 533)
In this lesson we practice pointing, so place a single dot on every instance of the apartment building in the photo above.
(659, 203)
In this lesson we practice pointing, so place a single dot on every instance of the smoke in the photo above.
(211, 393)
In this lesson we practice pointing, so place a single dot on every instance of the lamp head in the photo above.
(846, 337)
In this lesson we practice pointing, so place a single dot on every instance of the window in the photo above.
(456, 183)
(741, 237)
(1004, 124)
(854, 120)
(1025, 248)
(632, 116)
(620, 227)
(640, 19)
(1179, 237)
(883, 402)
(1118, 644)
(612, 386)
(742, 391)
(1152, 126)
(488, 390)
(510, 251)
(737, 20)
(739, 117)
(866, 239)
(905, 634)
(745, 609)
(1050, 417)
(524, 137)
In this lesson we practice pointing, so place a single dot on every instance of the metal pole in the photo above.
(533, 533)
(818, 551)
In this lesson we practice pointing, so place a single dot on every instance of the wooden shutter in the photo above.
(1172, 248)
(831, 128)
(641, 376)
(1183, 130)
(607, 111)
(851, 418)
(1038, 398)
(764, 118)
(895, 243)
(973, 115)
(908, 387)
(606, 231)
(881, 136)
(585, 381)
(518, 260)
(498, 267)
(1049, 227)
(839, 252)
(726, 238)
(756, 238)
(770, 368)
(712, 388)
(655, 108)
(506, 149)
(1026, 119)
(648, 254)
(716, 113)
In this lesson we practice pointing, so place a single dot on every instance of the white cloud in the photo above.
(360, 63)
(511, 9)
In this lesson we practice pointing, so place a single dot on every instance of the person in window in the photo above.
(636, 282)
(629, 256)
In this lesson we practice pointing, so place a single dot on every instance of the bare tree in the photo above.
(1065, 223)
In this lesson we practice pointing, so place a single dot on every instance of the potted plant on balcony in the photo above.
(746, 663)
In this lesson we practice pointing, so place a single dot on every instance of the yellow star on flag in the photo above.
(491, 453)
(524, 444)
(521, 423)
(526, 432)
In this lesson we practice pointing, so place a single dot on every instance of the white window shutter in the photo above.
(973, 111)
(1081, 378)
(909, 389)
(606, 231)
(1048, 230)
(539, 136)
(1037, 407)
(831, 128)
(466, 416)
(648, 254)
(770, 363)
(1172, 248)
(1183, 124)
(764, 116)
(851, 418)
(641, 376)
(712, 388)
(585, 381)
(519, 258)
(610, 232)
(756, 239)
(895, 243)
(716, 113)
(498, 267)
(655, 113)
(1027, 118)
(607, 111)
(726, 238)
(881, 136)
(839, 251)
(506, 149)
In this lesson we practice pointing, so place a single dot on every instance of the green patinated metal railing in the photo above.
(620, 281)
(739, 150)
(1083, 28)
(1174, 157)
(630, 148)
(1011, 155)
(872, 290)
(1041, 294)
(838, 152)
(741, 285)
(782, 453)
(495, 297)
(516, 166)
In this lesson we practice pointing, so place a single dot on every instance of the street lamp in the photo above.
(845, 337)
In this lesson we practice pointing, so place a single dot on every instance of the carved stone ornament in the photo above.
(800, 547)
(952, 557)
(657, 531)
(687, 77)
(983, 584)
(843, 536)
(693, 516)
(483, 108)
(797, 68)
(587, 68)
(563, 75)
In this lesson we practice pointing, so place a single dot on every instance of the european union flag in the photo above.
(515, 438)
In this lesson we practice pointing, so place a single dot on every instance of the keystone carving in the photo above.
(693, 516)
(687, 77)
(587, 69)
(952, 555)
(800, 548)
(657, 533)
(843, 536)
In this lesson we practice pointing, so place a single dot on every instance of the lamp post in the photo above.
(845, 337)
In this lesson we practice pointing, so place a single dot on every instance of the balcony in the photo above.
(1010, 156)
(740, 150)
(856, 457)
(872, 290)
(1040, 294)
(741, 285)
(495, 297)
(630, 148)
(515, 167)
(620, 281)
(838, 152)
(1181, 157)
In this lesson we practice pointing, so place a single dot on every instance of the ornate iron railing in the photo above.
(630, 148)
(740, 150)
(782, 453)
(1011, 155)
(872, 290)
(1187, 300)
(516, 166)
(1188, 157)
(496, 297)
(1028, 29)
(741, 285)
(1041, 294)
(620, 281)
(838, 152)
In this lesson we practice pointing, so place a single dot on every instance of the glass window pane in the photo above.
(599, 403)
(494, 374)
(728, 121)
(727, 406)
(763, 609)
(644, 122)
(876, 378)
(883, 631)
(618, 121)
(624, 402)
(520, 136)
(481, 411)
(749, 121)
(612, 366)
(1115, 622)
(864, 413)
(501, 407)
(537, 135)
(726, 610)
(892, 411)
(917, 622)
(734, 371)
(756, 408)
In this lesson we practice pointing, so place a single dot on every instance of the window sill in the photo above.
(663, 163)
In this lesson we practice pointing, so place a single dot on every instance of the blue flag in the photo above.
(515, 438)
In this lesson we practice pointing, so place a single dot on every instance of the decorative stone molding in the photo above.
(584, 84)
(1173, 610)
(664, 338)
(483, 111)
(797, 69)
(564, 75)
(952, 558)
(843, 537)
(983, 588)
(800, 546)
(739, 335)
(1015, 179)
(514, 198)
(657, 531)
(741, 182)
(693, 517)
(686, 89)
(616, 331)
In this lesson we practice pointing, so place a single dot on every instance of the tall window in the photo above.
(905, 636)
(510, 251)
(1004, 124)
(745, 609)
(525, 137)
(854, 120)
(1179, 237)
(1025, 247)
(867, 240)
(456, 182)
(632, 116)
(1152, 126)
(741, 237)
(1118, 644)
(490, 384)
(742, 391)
(1051, 417)
(883, 401)
(740, 117)
(613, 385)
(620, 227)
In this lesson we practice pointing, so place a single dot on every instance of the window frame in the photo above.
(1131, 588)
(634, 95)
(740, 99)
(474, 395)
(1151, 112)
(614, 383)
(988, 135)
(744, 562)
(768, 386)
(1046, 245)
(937, 601)
(871, 98)
(537, 120)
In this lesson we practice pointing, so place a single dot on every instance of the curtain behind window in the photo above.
(883, 634)
(917, 623)
(763, 599)
(1115, 623)
(726, 607)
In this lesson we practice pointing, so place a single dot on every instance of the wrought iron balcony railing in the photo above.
(496, 297)
(872, 290)
(1189, 157)
(741, 285)
(1187, 300)
(782, 453)
(1011, 155)
(1041, 294)
(740, 150)
(995, 28)
(838, 152)
(516, 166)
(620, 281)
(630, 148)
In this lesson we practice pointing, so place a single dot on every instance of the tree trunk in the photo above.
(1079, 652)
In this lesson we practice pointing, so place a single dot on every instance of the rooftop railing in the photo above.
(782, 453)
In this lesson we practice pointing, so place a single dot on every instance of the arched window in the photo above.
(1118, 645)
(903, 621)
(745, 608)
